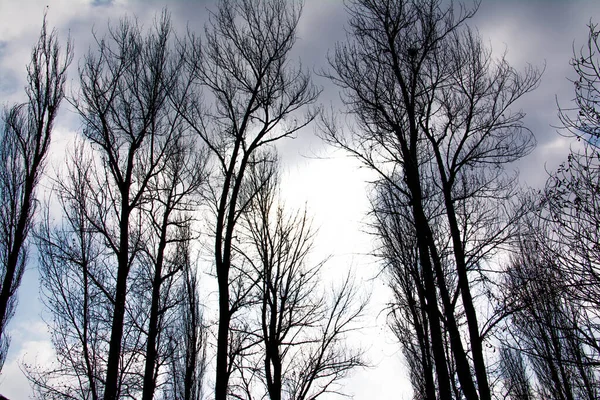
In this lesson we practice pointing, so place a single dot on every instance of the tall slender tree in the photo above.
(72, 278)
(25, 135)
(146, 173)
(547, 327)
(433, 119)
(514, 373)
(553, 280)
(259, 96)
(300, 329)
(174, 194)
(394, 227)
(188, 361)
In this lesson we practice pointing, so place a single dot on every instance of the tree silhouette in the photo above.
(300, 329)
(112, 271)
(432, 118)
(26, 130)
(547, 325)
(258, 98)
(514, 374)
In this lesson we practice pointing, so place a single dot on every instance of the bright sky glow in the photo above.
(328, 182)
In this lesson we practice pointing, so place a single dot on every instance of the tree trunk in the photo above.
(12, 263)
(151, 352)
(111, 391)
(439, 355)
(222, 378)
(463, 369)
(467, 299)
(424, 345)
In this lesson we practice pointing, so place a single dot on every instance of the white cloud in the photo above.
(333, 188)
(30, 344)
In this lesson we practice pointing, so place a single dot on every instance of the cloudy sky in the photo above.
(541, 33)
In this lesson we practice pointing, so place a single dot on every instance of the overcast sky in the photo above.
(541, 33)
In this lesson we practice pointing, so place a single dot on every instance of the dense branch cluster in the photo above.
(176, 163)
(154, 163)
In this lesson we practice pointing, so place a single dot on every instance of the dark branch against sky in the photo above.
(541, 33)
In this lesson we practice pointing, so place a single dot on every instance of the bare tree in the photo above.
(173, 195)
(72, 279)
(581, 120)
(189, 336)
(514, 374)
(140, 193)
(408, 319)
(565, 226)
(329, 359)
(300, 329)
(259, 94)
(547, 327)
(570, 208)
(116, 272)
(432, 111)
(554, 278)
(25, 138)
(76, 280)
(478, 134)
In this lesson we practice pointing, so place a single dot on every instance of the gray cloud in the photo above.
(100, 3)
(8, 79)
(536, 32)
